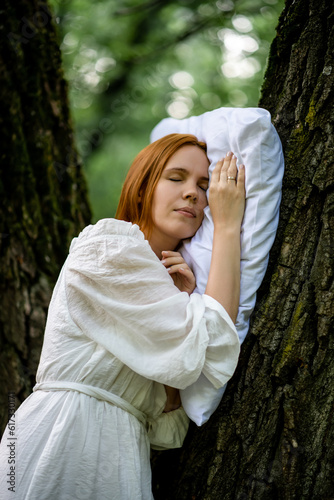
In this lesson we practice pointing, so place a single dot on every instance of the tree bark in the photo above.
(43, 199)
(273, 435)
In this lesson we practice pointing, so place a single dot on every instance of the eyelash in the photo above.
(179, 180)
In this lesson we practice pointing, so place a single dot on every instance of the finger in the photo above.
(173, 261)
(187, 274)
(227, 162)
(176, 268)
(184, 271)
(167, 253)
(241, 177)
(170, 258)
(229, 167)
(232, 168)
(176, 264)
(215, 176)
(232, 172)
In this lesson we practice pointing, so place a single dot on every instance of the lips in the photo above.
(187, 212)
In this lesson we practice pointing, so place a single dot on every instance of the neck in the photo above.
(162, 244)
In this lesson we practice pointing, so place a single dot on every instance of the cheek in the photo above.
(203, 204)
(158, 207)
(202, 217)
(153, 208)
(204, 201)
(199, 221)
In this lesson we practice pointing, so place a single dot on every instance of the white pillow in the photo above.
(249, 133)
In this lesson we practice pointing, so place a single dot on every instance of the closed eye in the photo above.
(203, 188)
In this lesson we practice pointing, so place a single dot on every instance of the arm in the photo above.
(184, 280)
(227, 204)
(120, 295)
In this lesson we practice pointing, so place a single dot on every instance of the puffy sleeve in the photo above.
(121, 296)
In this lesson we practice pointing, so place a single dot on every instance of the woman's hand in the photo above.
(173, 399)
(227, 193)
(227, 205)
(179, 270)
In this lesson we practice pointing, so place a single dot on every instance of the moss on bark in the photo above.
(43, 201)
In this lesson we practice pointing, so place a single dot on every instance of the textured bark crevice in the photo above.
(272, 435)
(43, 198)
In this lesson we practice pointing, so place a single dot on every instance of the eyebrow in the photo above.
(180, 169)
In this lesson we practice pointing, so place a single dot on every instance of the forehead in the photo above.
(189, 158)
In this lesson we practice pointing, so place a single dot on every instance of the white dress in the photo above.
(116, 325)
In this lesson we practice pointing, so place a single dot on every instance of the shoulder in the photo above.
(111, 244)
(106, 229)
(112, 253)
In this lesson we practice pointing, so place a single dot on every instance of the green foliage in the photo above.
(132, 63)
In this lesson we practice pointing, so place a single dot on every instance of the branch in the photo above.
(128, 11)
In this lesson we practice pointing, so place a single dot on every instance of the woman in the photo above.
(123, 334)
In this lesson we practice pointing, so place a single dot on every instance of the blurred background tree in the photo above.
(130, 64)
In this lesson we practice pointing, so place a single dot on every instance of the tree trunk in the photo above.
(273, 434)
(43, 199)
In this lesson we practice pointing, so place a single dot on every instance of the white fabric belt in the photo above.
(94, 392)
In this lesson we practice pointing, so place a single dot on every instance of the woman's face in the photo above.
(179, 198)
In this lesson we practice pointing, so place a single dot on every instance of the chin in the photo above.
(185, 233)
(188, 235)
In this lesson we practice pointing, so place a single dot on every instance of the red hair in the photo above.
(137, 193)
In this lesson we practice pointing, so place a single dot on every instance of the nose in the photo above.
(190, 194)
